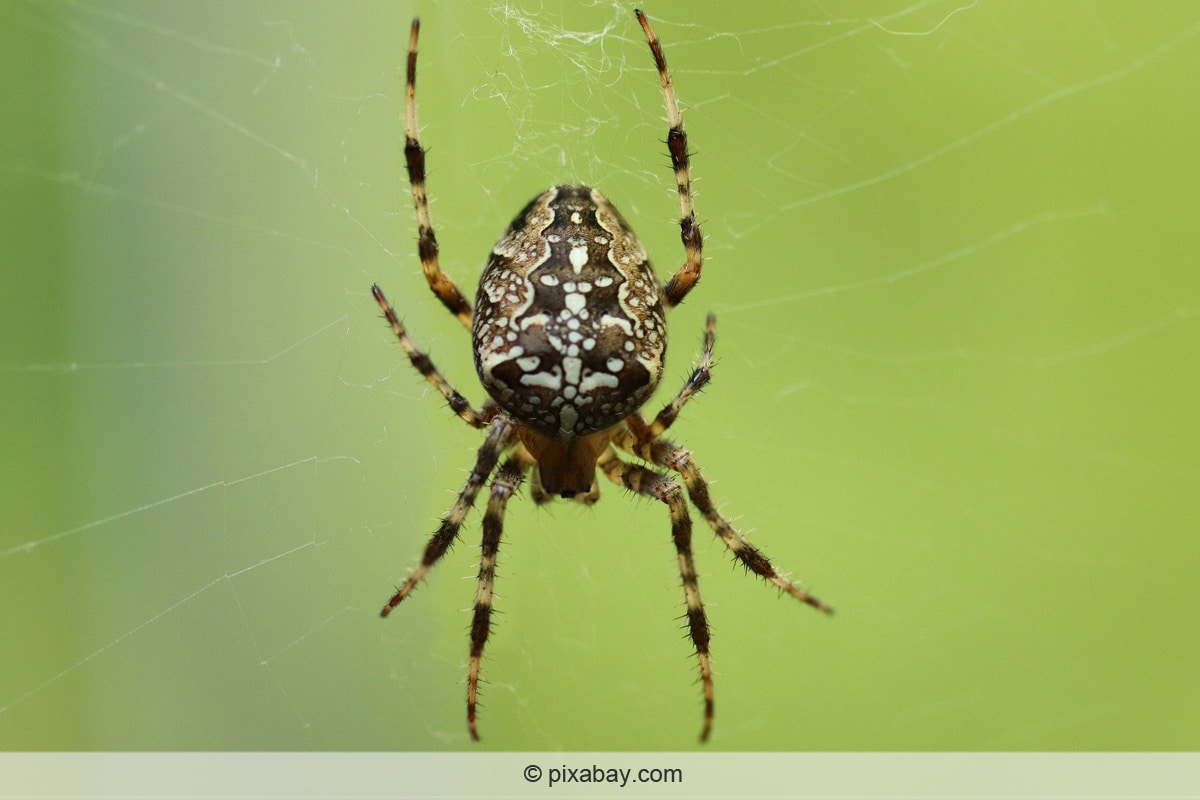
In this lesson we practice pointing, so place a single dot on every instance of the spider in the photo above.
(569, 335)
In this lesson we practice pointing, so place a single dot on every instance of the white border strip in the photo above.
(625, 775)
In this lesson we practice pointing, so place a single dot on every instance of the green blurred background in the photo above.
(952, 248)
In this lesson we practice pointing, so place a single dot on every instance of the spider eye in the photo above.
(568, 495)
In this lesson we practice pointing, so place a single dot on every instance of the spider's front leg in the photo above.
(667, 454)
(649, 483)
(501, 436)
(641, 439)
(504, 486)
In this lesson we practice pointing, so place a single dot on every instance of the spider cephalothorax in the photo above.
(569, 333)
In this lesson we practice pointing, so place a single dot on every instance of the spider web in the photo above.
(948, 247)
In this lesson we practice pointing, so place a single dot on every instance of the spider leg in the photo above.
(699, 378)
(504, 485)
(689, 230)
(649, 483)
(424, 365)
(414, 156)
(667, 454)
(501, 436)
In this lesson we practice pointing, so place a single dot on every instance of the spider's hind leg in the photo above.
(440, 283)
(677, 145)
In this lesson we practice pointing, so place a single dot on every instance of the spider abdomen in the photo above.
(569, 329)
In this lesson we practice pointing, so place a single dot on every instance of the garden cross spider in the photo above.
(569, 335)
